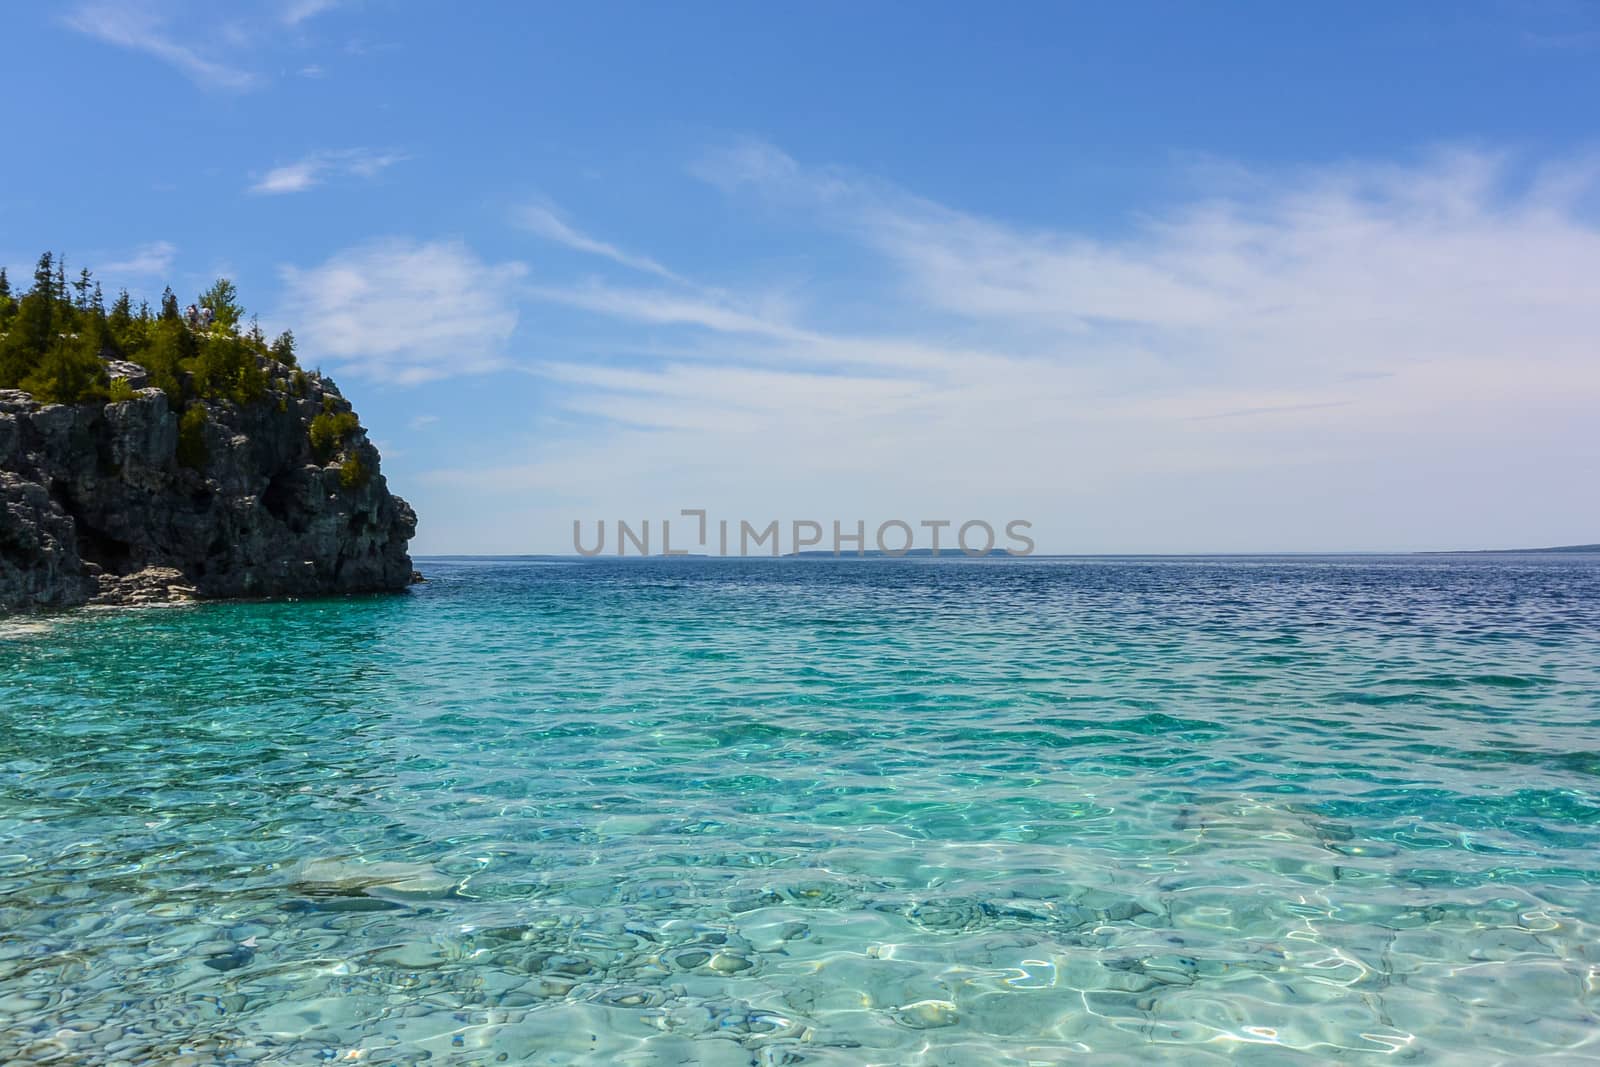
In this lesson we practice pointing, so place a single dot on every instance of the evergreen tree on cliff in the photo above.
(237, 474)
(31, 329)
(283, 348)
(223, 300)
(121, 317)
(56, 340)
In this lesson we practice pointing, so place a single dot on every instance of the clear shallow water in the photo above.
(935, 812)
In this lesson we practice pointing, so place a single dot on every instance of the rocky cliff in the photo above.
(126, 502)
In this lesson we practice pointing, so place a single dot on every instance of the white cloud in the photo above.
(405, 312)
(290, 178)
(420, 422)
(316, 168)
(298, 11)
(152, 259)
(1325, 273)
(135, 26)
(668, 308)
(543, 221)
(1374, 356)
(695, 396)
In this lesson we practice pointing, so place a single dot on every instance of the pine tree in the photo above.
(98, 339)
(36, 317)
(122, 311)
(169, 344)
(120, 324)
(223, 300)
(283, 348)
(169, 306)
(81, 288)
(42, 275)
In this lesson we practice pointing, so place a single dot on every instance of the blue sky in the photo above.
(1155, 277)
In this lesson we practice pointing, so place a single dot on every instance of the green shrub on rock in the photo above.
(226, 368)
(354, 473)
(329, 431)
(67, 373)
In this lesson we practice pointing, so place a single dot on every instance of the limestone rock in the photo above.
(95, 503)
(136, 376)
(153, 585)
(39, 562)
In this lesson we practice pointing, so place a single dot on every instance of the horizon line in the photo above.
(1574, 550)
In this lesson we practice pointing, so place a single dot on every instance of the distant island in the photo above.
(1513, 551)
(151, 454)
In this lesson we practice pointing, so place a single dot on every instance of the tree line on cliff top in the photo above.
(56, 337)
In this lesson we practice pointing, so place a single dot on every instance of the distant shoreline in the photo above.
(1510, 551)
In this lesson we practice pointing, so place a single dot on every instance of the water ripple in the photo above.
(911, 812)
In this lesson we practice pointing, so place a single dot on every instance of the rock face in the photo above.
(98, 502)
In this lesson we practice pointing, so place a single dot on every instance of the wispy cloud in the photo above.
(154, 258)
(543, 221)
(318, 167)
(405, 312)
(291, 178)
(668, 308)
(1310, 271)
(1392, 334)
(140, 28)
(298, 11)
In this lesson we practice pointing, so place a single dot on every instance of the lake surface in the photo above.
(814, 812)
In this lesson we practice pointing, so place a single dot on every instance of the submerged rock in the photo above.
(232, 959)
(99, 503)
(355, 876)
(928, 1015)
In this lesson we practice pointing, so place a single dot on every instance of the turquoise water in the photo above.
(897, 812)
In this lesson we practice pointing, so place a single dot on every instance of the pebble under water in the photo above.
(815, 812)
